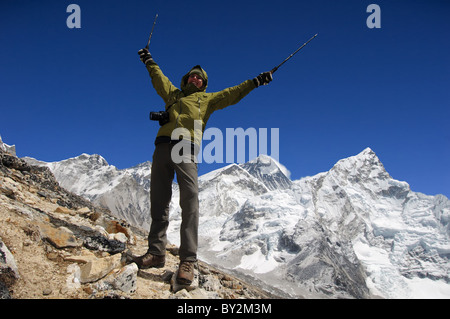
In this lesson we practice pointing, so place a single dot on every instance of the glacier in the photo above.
(350, 232)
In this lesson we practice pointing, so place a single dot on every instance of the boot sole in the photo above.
(184, 282)
(152, 266)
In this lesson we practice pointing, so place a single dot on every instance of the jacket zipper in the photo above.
(178, 117)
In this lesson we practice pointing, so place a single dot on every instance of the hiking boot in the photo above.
(148, 261)
(185, 273)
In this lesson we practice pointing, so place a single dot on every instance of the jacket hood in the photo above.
(189, 89)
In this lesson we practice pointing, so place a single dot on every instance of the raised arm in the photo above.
(233, 95)
(163, 86)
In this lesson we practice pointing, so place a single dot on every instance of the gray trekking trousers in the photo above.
(162, 174)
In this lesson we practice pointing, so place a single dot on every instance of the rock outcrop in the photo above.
(55, 244)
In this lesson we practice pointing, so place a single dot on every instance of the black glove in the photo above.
(145, 56)
(263, 79)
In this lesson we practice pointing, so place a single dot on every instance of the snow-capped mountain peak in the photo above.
(273, 174)
(366, 164)
(269, 166)
(95, 160)
(352, 231)
(125, 192)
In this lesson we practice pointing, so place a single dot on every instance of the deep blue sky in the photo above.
(70, 91)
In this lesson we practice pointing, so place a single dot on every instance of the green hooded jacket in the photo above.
(190, 108)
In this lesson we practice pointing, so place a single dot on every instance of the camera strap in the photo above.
(167, 109)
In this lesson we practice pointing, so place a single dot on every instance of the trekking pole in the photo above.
(304, 44)
(150, 37)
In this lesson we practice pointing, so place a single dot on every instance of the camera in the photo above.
(161, 116)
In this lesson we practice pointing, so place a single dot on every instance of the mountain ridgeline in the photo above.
(350, 232)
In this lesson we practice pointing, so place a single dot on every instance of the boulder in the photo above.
(102, 243)
(95, 270)
(60, 237)
(9, 272)
(123, 279)
(64, 210)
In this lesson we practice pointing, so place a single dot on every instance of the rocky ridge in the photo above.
(55, 244)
